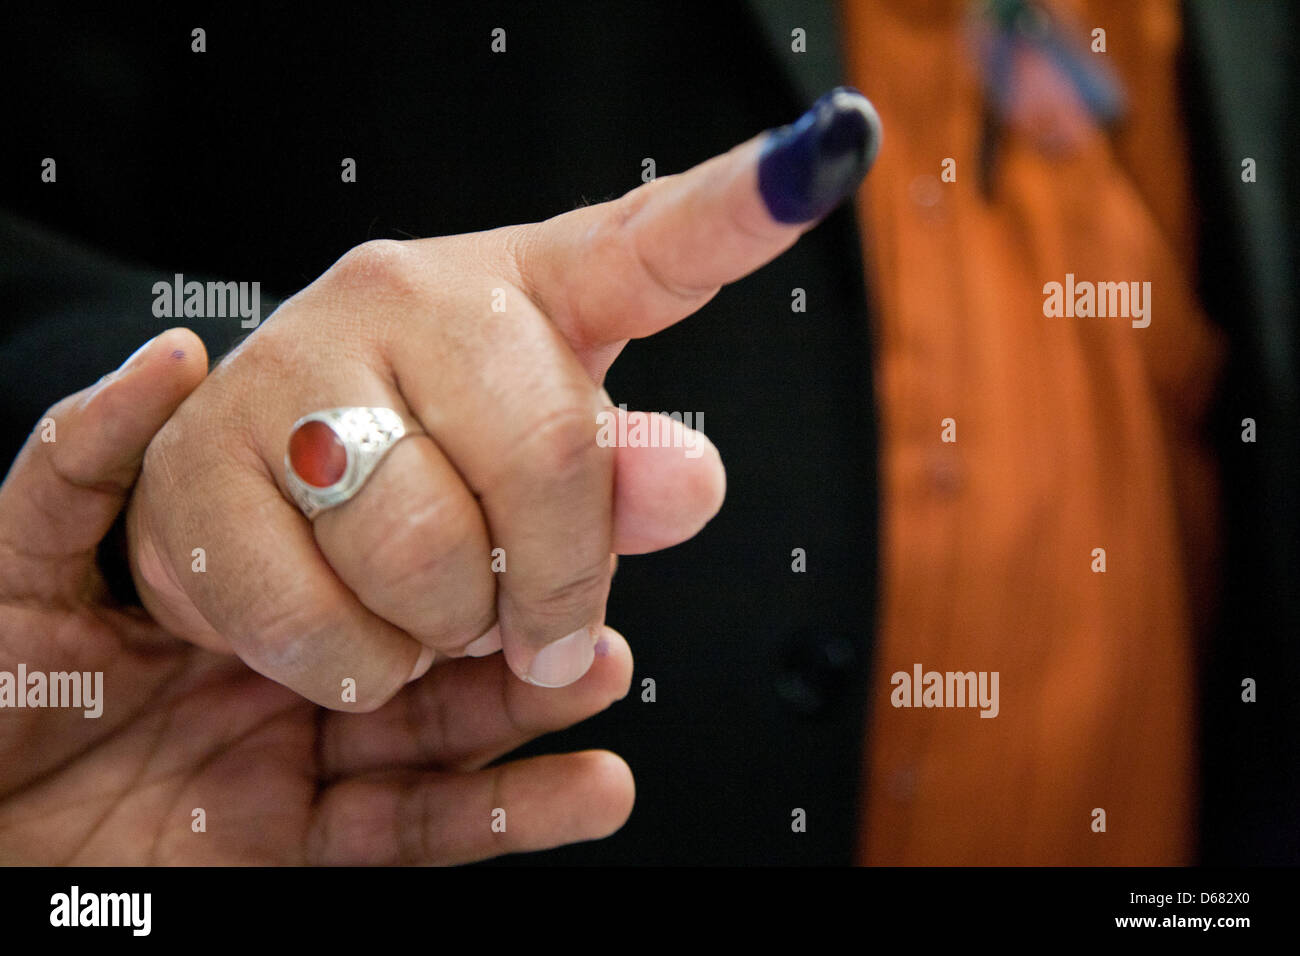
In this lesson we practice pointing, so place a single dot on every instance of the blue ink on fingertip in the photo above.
(806, 168)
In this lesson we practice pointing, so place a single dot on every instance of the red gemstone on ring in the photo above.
(317, 455)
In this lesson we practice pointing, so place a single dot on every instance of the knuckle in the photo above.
(430, 720)
(634, 200)
(73, 459)
(204, 444)
(277, 633)
(412, 822)
(689, 297)
(573, 597)
(518, 248)
(619, 243)
(404, 545)
(408, 558)
(107, 404)
(289, 638)
(562, 442)
(379, 264)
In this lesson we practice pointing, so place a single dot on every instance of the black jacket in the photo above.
(227, 164)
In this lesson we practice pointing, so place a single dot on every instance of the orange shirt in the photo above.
(1072, 434)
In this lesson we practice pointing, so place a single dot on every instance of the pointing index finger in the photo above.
(633, 266)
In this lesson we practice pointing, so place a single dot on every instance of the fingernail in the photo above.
(806, 168)
(564, 661)
(489, 643)
(422, 664)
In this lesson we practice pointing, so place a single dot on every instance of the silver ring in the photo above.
(338, 447)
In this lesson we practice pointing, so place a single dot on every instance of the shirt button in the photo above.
(926, 193)
(944, 472)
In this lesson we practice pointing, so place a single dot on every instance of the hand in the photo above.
(181, 729)
(368, 592)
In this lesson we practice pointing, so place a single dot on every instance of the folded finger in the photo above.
(466, 713)
(450, 818)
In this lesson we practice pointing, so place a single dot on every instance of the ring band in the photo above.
(332, 452)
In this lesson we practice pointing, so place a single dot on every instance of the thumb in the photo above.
(73, 475)
(665, 490)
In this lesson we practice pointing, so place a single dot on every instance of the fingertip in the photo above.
(610, 775)
(133, 402)
(423, 662)
(166, 368)
(613, 659)
(706, 480)
(186, 355)
(806, 168)
(666, 495)
(487, 643)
